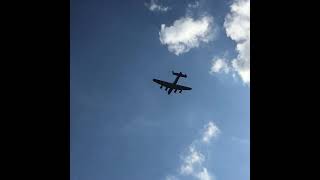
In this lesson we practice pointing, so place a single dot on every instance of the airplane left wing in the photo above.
(163, 83)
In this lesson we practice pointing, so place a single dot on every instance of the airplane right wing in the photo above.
(179, 87)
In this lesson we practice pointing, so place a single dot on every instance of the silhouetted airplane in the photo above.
(173, 85)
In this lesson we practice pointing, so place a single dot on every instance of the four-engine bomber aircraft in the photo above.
(173, 85)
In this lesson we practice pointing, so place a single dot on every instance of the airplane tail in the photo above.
(179, 74)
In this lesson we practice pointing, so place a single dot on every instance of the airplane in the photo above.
(173, 85)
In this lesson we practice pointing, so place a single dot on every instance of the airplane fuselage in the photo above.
(175, 82)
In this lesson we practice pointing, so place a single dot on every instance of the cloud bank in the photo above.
(237, 27)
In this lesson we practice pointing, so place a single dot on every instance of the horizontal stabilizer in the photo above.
(179, 74)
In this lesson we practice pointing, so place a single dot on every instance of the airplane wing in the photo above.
(171, 85)
(179, 87)
(163, 83)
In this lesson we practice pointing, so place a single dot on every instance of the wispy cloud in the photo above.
(219, 65)
(237, 26)
(186, 33)
(194, 5)
(240, 140)
(154, 5)
(204, 175)
(193, 161)
(170, 177)
(211, 131)
(138, 123)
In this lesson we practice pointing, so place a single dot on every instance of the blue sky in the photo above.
(123, 126)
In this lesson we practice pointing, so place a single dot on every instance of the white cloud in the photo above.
(186, 33)
(155, 6)
(237, 25)
(219, 64)
(204, 175)
(190, 161)
(211, 131)
(193, 161)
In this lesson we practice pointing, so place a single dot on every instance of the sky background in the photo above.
(123, 126)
